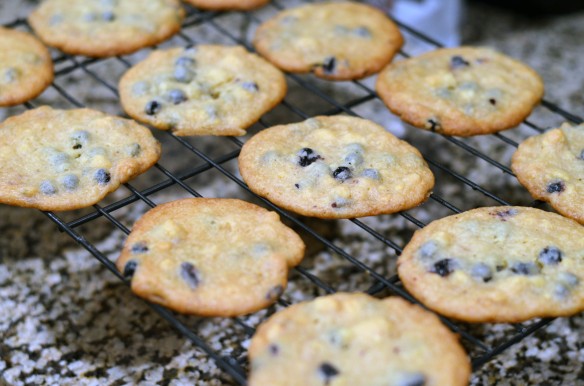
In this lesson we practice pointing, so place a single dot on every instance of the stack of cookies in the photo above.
(227, 257)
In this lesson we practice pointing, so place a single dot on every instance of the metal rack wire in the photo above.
(479, 350)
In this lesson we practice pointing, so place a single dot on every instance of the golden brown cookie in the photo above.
(26, 68)
(335, 167)
(101, 28)
(551, 167)
(337, 41)
(224, 5)
(356, 340)
(499, 264)
(460, 91)
(211, 257)
(204, 90)
(70, 159)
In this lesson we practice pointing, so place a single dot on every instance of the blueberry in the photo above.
(140, 88)
(190, 274)
(183, 74)
(561, 290)
(130, 269)
(10, 75)
(58, 159)
(362, 32)
(556, 187)
(354, 159)
(327, 371)
(108, 16)
(46, 187)
(503, 215)
(342, 173)
(274, 349)
(458, 62)
(526, 269)
(185, 61)
(134, 149)
(411, 379)
(569, 279)
(70, 181)
(307, 156)
(492, 101)
(250, 86)
(428, 249)
(102, 176)
(340, 202)
(275, 292)
(550, 256)
(329, 65)
(79, 138)
(444, 267)
(177, 96)
(152, 107)
(139, 247)
(370, 173)
(482, 271)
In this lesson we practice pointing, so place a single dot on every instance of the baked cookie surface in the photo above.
(105, 27)
(551, 167)
(335, 167)
(224, 5)
(460, 91)
(337, 41)
(356, 340)
(70, 159)
(204, 90)
(498, 264)
(26, 68)
(210, 257)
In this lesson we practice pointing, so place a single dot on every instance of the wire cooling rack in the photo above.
(480, 351)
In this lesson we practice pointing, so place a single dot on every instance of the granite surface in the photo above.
(66, 320)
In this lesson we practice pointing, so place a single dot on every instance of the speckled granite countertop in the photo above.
(64, 319)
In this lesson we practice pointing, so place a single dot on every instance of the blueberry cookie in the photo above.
(101, 28)
(460, 91)
(210, 257)
(499, 264)
(26, 68)
(357, 340)
(551, 167)
(335, 167)
(223, 5)
(70, 159)
(203, 90)
(336, 41)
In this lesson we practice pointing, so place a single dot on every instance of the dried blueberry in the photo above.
(482, 272)
(176, 96)
(102, 176)
(556, 187)
(130, 269)
(134, 149)
(274, 349)
(79, 138)
(370, 173)
(185, 61)
(152, 107)
(444, 267)
(328, 371)
(550, 255)
(190, 274)
(340, 202)
(503, 215)
(297, 186)
(275, 292)
(458, 62)
(362, 32)
(139, 247)
(10, 75)
(108, 16)
(183, 74)
(354, 159)
(492, 101)
(70, 181)
(58, 159)
(561, 290)
(250, 86)
(428, 249)
(342, 173)
(46, 187)
(307, 156)
(526, 269)
(411, 379)
(329, 65)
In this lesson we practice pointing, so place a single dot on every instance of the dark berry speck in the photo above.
(329, 65)
(152, 107)
(250, 86)
(482, 272)
(342, 173)
(550, 256)
(177, 96)
(526, 269)
(328, 371)
(458, 62)
(102, 176)
(307, 156)
(556, 187)
(190, 274)
(139, 247)
(274, 349)
(444, 267)
(492, 101)
(130, 269)
(362, 32)
(108, 16)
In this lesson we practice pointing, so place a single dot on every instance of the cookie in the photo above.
(70, 159)
(26, 68)
(355, 339)
(551, 167)
(498, 264)
(103, 28)
(460, 91)
(204, 90)
(335, 167)
(336, 41)
(210, 257)
(224, 5)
